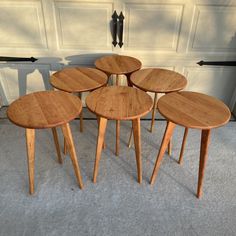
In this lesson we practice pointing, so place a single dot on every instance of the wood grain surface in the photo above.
(118, 64)
(78, 79)
(119, 102)
(44, 109)
(158, 80)
(194, 110)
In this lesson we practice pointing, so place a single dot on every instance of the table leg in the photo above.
(153, 112)
(183, 146)
(81, 116)
(128, 80)
(100, 140)
(130, 138)
(205, 140)
(117, 80)
(103, 145)
(117, 137)
(170, 147)
(65, 149)
(55, 137)
(166, 138)
(137, 143)
(30, 144)
(71, 148)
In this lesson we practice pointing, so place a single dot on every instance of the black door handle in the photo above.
(120, 33)
(114, 28)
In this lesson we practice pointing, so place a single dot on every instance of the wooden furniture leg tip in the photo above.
(31, 192)
(199, 195)
(81, 186)
(151, 182)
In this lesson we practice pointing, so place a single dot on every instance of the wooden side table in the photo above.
(41, 110)
(78, 80)
(157, 80)
(118, 65)
(191, 110)
(119, 103)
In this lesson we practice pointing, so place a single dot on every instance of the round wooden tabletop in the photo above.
(119, 102)
(78, 79)
(158, 80)
(44, 109)
(118, 64)
(194, 110)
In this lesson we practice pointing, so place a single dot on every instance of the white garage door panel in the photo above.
(152, 26)
(18, 79)
(212, 81)
(174, 34)
(83, 25)
(213, 29)
(22, 25)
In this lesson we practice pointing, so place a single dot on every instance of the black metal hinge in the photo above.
(7, 59)
(217, 63)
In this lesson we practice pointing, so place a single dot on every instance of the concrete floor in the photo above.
(117, 204)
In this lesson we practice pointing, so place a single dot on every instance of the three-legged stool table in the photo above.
(191, 110)
(119, 103)
(157, 80)
(118, 65)
(41, 110)
(78, 80)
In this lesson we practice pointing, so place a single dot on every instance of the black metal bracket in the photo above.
(217, 63)
(120, 33)
(114, 30)
(7, 59)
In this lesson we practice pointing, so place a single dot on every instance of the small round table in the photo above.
(118, 65)
(191, 110)
(119, 103)
(78, 80)
(157, 80)
(41, 110)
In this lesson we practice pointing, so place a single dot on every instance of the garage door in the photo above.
(173, 34)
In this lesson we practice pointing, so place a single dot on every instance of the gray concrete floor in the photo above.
(117, 204)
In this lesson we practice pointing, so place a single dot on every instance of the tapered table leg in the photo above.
(55, 137)
(153, 112)
(170, 147)
(117, 80)
(205, 140)
(81, 116)
(130, 138)
(64, 149)
(30, 144)
(103, 145)
(183, 146)
(131, 132)
(128, 80)
(71, 148)
(166, 139)
(137, 143)
(100, 140)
